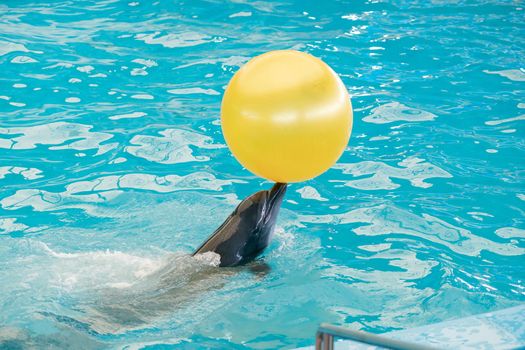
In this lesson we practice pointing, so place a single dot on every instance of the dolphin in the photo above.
(248, 230)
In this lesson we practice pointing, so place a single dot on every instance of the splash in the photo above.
(117, 292)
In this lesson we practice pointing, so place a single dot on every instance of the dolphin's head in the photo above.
(248, 230)
(269, 212)
(259, 220)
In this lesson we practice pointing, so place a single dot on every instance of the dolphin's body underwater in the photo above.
(248, 230)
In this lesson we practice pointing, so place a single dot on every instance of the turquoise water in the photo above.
(113, 167)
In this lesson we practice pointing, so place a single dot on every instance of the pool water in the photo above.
(113, 168)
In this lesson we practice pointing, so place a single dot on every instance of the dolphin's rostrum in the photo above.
(248, 230)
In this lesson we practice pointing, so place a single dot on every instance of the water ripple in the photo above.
(26, 173)
(412, 169)
(395, 111)
(388, 219)
(107, 188)
(172, 147)
(110, 138)
(63, 135)
(8, 225)
(185, 39)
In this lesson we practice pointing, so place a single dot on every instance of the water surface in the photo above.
(113, 166)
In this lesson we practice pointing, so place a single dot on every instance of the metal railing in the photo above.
(324, 339)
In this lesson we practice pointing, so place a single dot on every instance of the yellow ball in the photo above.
(286, 116)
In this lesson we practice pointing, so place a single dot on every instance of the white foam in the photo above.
(99, 269)
(208, 258)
